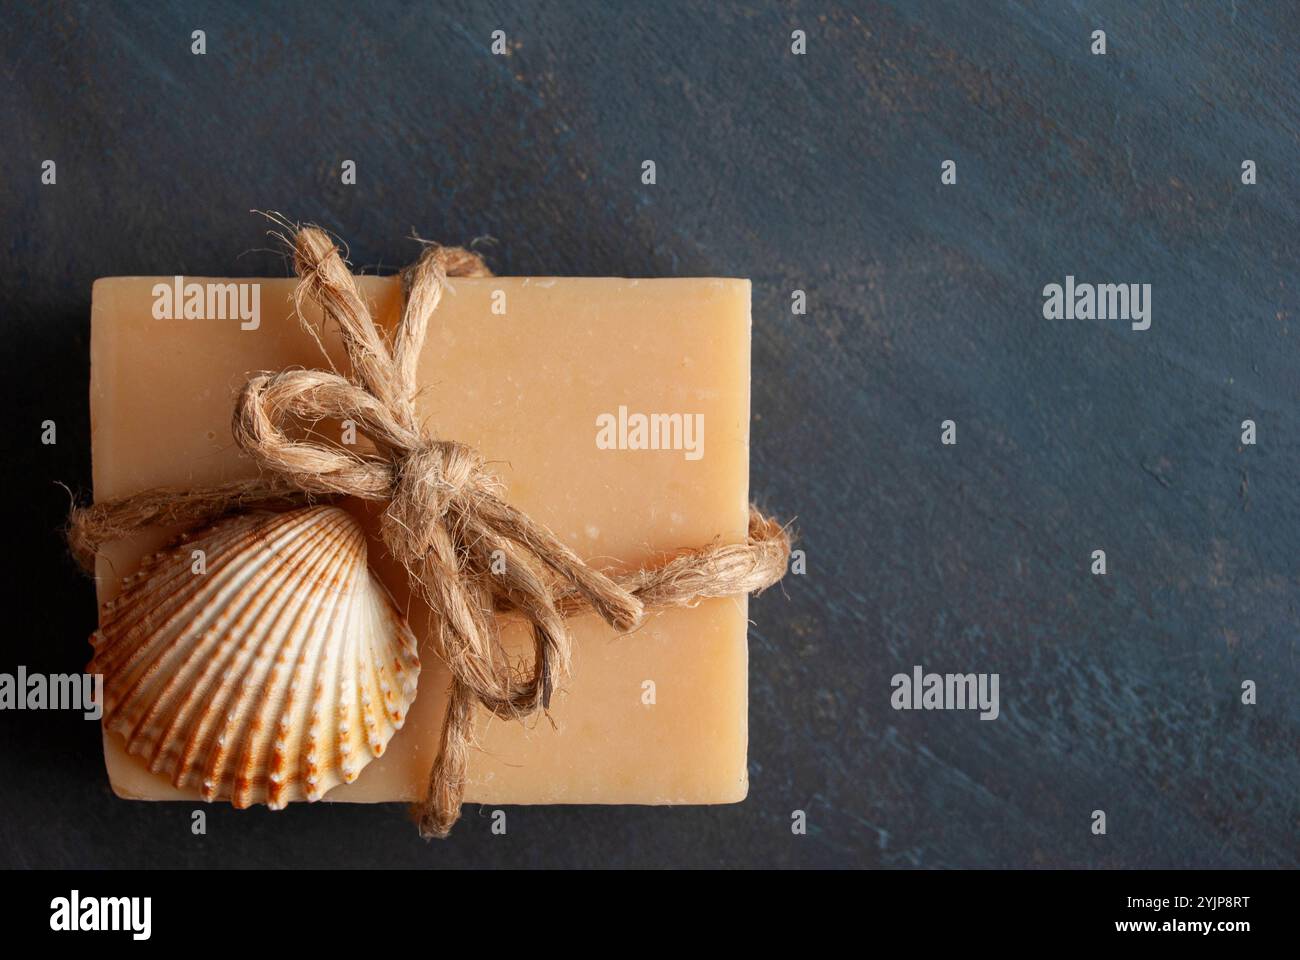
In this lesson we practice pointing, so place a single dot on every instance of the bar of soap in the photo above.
(658, 716)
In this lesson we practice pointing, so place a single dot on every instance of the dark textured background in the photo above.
(819, 172)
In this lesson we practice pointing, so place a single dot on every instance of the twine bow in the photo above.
(446, 516)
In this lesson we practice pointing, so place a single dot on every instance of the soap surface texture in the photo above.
(655, 716)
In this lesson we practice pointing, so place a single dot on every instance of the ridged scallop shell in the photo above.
(277, 674)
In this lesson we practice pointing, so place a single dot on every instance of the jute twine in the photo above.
(446, 515)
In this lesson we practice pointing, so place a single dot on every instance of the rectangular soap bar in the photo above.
(526, 388)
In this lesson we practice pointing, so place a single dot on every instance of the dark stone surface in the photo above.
(819, 172)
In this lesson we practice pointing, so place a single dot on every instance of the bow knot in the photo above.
(426, 482)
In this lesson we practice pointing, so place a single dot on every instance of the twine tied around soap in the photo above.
(446, 516)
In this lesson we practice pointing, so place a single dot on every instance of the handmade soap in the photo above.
(569, 387)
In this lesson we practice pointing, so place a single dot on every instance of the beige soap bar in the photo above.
(526, 388)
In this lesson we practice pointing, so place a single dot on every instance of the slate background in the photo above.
(819, 172)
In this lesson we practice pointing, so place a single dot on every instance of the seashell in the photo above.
(275, 675)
